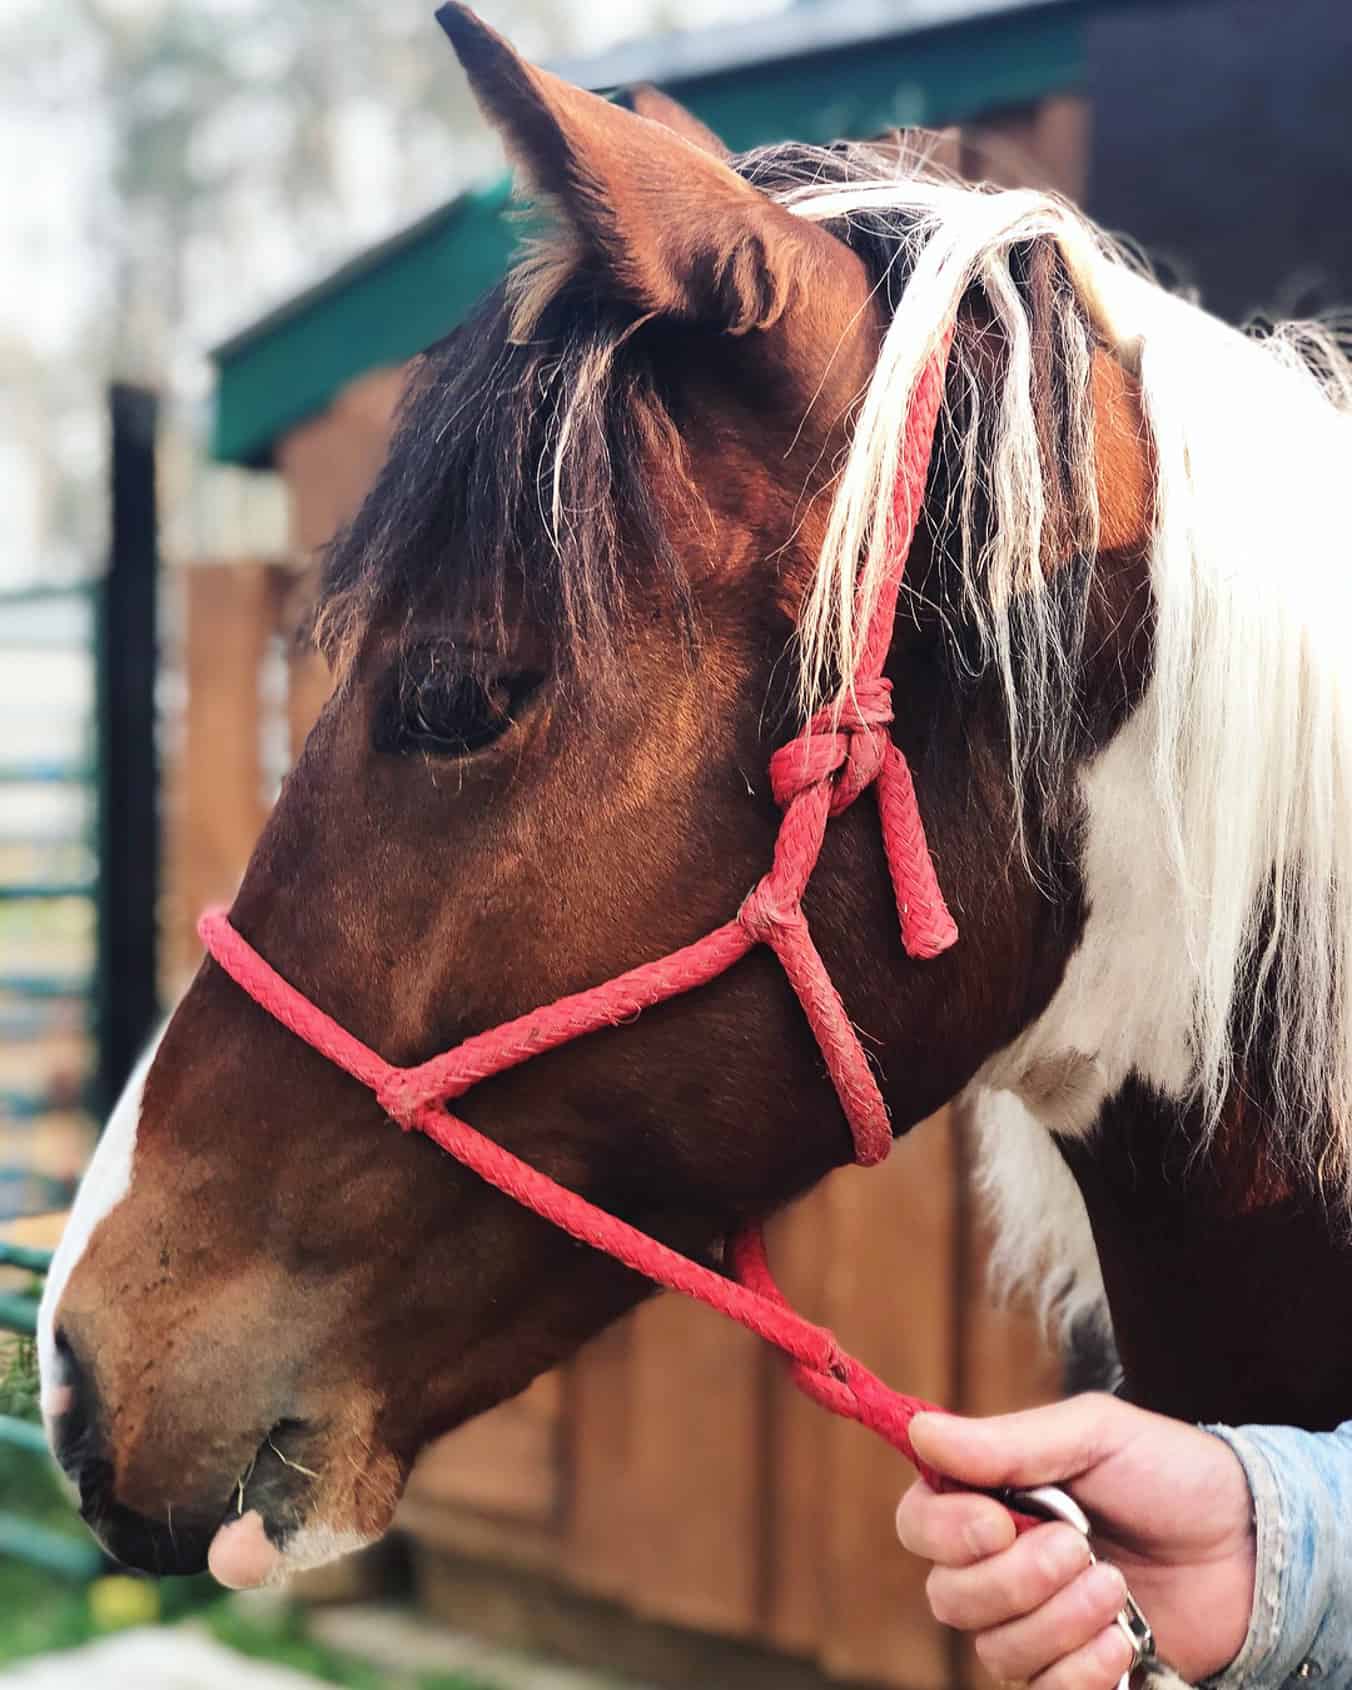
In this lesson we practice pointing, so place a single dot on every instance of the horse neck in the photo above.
(1224, 1269)
(1225, 1275)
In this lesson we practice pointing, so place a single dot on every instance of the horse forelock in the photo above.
(516, 485)
(519, 473)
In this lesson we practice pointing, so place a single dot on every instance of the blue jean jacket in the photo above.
(1300, 1632)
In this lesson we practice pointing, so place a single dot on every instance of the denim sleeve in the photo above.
(1300, 1632)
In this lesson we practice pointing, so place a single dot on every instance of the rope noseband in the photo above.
(817, 775)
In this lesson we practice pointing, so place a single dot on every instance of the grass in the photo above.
(28, 1484)
(37, 1611)
(40, 1613)
(287, 1642)
(19, 1377)
(35, 1619)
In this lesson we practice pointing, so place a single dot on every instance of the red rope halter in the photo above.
(815, 777)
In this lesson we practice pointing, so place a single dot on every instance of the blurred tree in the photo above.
(218, 121)
(212, 157)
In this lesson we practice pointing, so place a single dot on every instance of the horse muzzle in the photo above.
(236, 1525)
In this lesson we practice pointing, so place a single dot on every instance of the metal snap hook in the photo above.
(1050, 1502)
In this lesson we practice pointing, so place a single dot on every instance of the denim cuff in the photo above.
(1300, 1631)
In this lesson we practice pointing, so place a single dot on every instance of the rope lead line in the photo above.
(817, 775)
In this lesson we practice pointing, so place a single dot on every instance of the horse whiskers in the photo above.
(286, 1461)
(385, 1493)
(242, 1481)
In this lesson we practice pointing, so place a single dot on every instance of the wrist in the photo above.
(1300, 1537)
(1231, 1609)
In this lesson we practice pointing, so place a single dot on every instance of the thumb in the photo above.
(1038, 1446)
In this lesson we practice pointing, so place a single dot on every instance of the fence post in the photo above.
(128, 778)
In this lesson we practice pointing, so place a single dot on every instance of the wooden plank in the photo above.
(330, 460)
(496, 1540)
(1004, 1361)
(802, 1244)
(216, 803)
(1063, 139)
(891, 1299)
(695, 1480)
(598, 1422)
(548, 1617)
(506, 1462)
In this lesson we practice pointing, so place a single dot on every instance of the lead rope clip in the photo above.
(1049, 1502)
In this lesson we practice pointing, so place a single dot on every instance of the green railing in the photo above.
(28, 1540)
(58, 853)
(20, 1314)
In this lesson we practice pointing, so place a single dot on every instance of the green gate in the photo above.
(21, 1437)
(79, 855)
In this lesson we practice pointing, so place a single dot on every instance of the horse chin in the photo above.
(310, 1495)
(264, 1539)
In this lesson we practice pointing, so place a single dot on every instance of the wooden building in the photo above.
(667, 1502)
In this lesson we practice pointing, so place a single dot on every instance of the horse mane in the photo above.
(1247, 717)
(509, 450)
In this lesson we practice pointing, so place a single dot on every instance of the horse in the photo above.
(635, 518)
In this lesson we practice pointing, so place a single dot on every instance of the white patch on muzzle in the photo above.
(106, 1182)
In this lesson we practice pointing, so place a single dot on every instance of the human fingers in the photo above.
(1099, 1664)
(1004, 1587)
(953, 1529)
(1064, 1625)
(1033, 1447)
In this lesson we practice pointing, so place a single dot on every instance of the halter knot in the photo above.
(400, 1099)
(846, 744)
(764, 911)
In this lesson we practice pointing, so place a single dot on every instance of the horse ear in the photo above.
(658, 107)
(673, 228)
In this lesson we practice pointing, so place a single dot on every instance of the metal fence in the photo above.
(79, 886)
(40, 1545)
(48, 892)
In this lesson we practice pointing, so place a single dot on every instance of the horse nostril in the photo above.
(77, 1441)
(73, 1435)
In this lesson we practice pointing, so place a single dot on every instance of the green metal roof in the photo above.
(382, 308)
(817, 73)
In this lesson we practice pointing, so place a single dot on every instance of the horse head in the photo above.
(611, 560)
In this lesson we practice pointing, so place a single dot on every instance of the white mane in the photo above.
(1246, 727)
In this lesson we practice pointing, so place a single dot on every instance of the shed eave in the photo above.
(819, 77)
(800, 31)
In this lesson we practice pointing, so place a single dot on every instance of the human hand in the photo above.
(1172, 1518)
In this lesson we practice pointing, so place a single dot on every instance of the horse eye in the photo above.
(452, 715)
